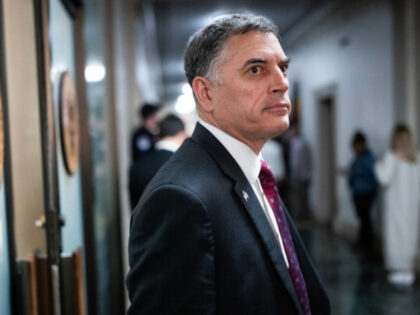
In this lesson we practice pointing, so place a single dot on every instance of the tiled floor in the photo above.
(356, 285)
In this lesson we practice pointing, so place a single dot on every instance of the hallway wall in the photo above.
(406, 20)
(351, 50)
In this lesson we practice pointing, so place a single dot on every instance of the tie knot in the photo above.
(266, 175)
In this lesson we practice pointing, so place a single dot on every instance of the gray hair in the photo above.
(204, 46)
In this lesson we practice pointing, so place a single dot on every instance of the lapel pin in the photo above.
(246, 197)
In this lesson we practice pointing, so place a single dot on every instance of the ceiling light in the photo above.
(94, 72)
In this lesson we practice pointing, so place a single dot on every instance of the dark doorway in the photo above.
(326, 125)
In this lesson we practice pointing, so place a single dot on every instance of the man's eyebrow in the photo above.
(254, 61)
(264, 61)
(285, 61)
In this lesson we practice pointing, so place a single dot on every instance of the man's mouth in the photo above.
(280, 108)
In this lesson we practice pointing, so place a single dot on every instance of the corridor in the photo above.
(74, 78)
(356, 286)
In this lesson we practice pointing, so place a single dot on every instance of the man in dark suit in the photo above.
(170, 137)
(210, 234)
(143, 139)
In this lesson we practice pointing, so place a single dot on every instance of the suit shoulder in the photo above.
(190, 160)
(191, 167)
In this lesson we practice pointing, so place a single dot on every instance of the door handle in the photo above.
(42, 221)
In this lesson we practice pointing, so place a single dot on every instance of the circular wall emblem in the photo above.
(69, 122)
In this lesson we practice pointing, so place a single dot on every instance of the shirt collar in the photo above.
(248, 161)
(166, 145)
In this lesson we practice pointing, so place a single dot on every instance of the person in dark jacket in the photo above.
(210, 234)
(170, 137)
(363, 185)
(143, 139)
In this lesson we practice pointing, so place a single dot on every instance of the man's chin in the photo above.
(283, 124)
(279, 129)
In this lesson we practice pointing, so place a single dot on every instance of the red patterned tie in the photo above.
(269, 186)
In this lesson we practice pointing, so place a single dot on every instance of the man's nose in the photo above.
(280, 83)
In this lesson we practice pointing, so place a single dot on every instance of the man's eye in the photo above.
(284, 68)
(255, 69)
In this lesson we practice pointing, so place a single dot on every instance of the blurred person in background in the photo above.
(300, 162)
(171, 135)
(363, 185)
(143, 139)
(399, 173)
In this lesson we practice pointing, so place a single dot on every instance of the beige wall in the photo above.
(23, 104)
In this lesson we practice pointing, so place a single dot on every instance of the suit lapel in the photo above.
(253, 207)
(250, 202)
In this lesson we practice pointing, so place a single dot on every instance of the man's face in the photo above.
(358, 147)
(152, 123)
(251, 101)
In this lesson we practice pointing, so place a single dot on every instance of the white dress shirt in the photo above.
(166, 145)
(250, 164)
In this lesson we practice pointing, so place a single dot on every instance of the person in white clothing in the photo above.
(399, 173)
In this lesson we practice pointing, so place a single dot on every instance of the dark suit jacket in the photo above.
(142, 141)
(198, 247)
(143, 170)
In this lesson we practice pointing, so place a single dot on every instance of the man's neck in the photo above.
(255, 146)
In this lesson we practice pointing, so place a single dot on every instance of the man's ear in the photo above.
(201, 86)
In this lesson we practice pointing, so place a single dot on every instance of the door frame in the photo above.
(321, 94)
(49, 152)
(86, 163)
(7, 174)
(49, 146)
